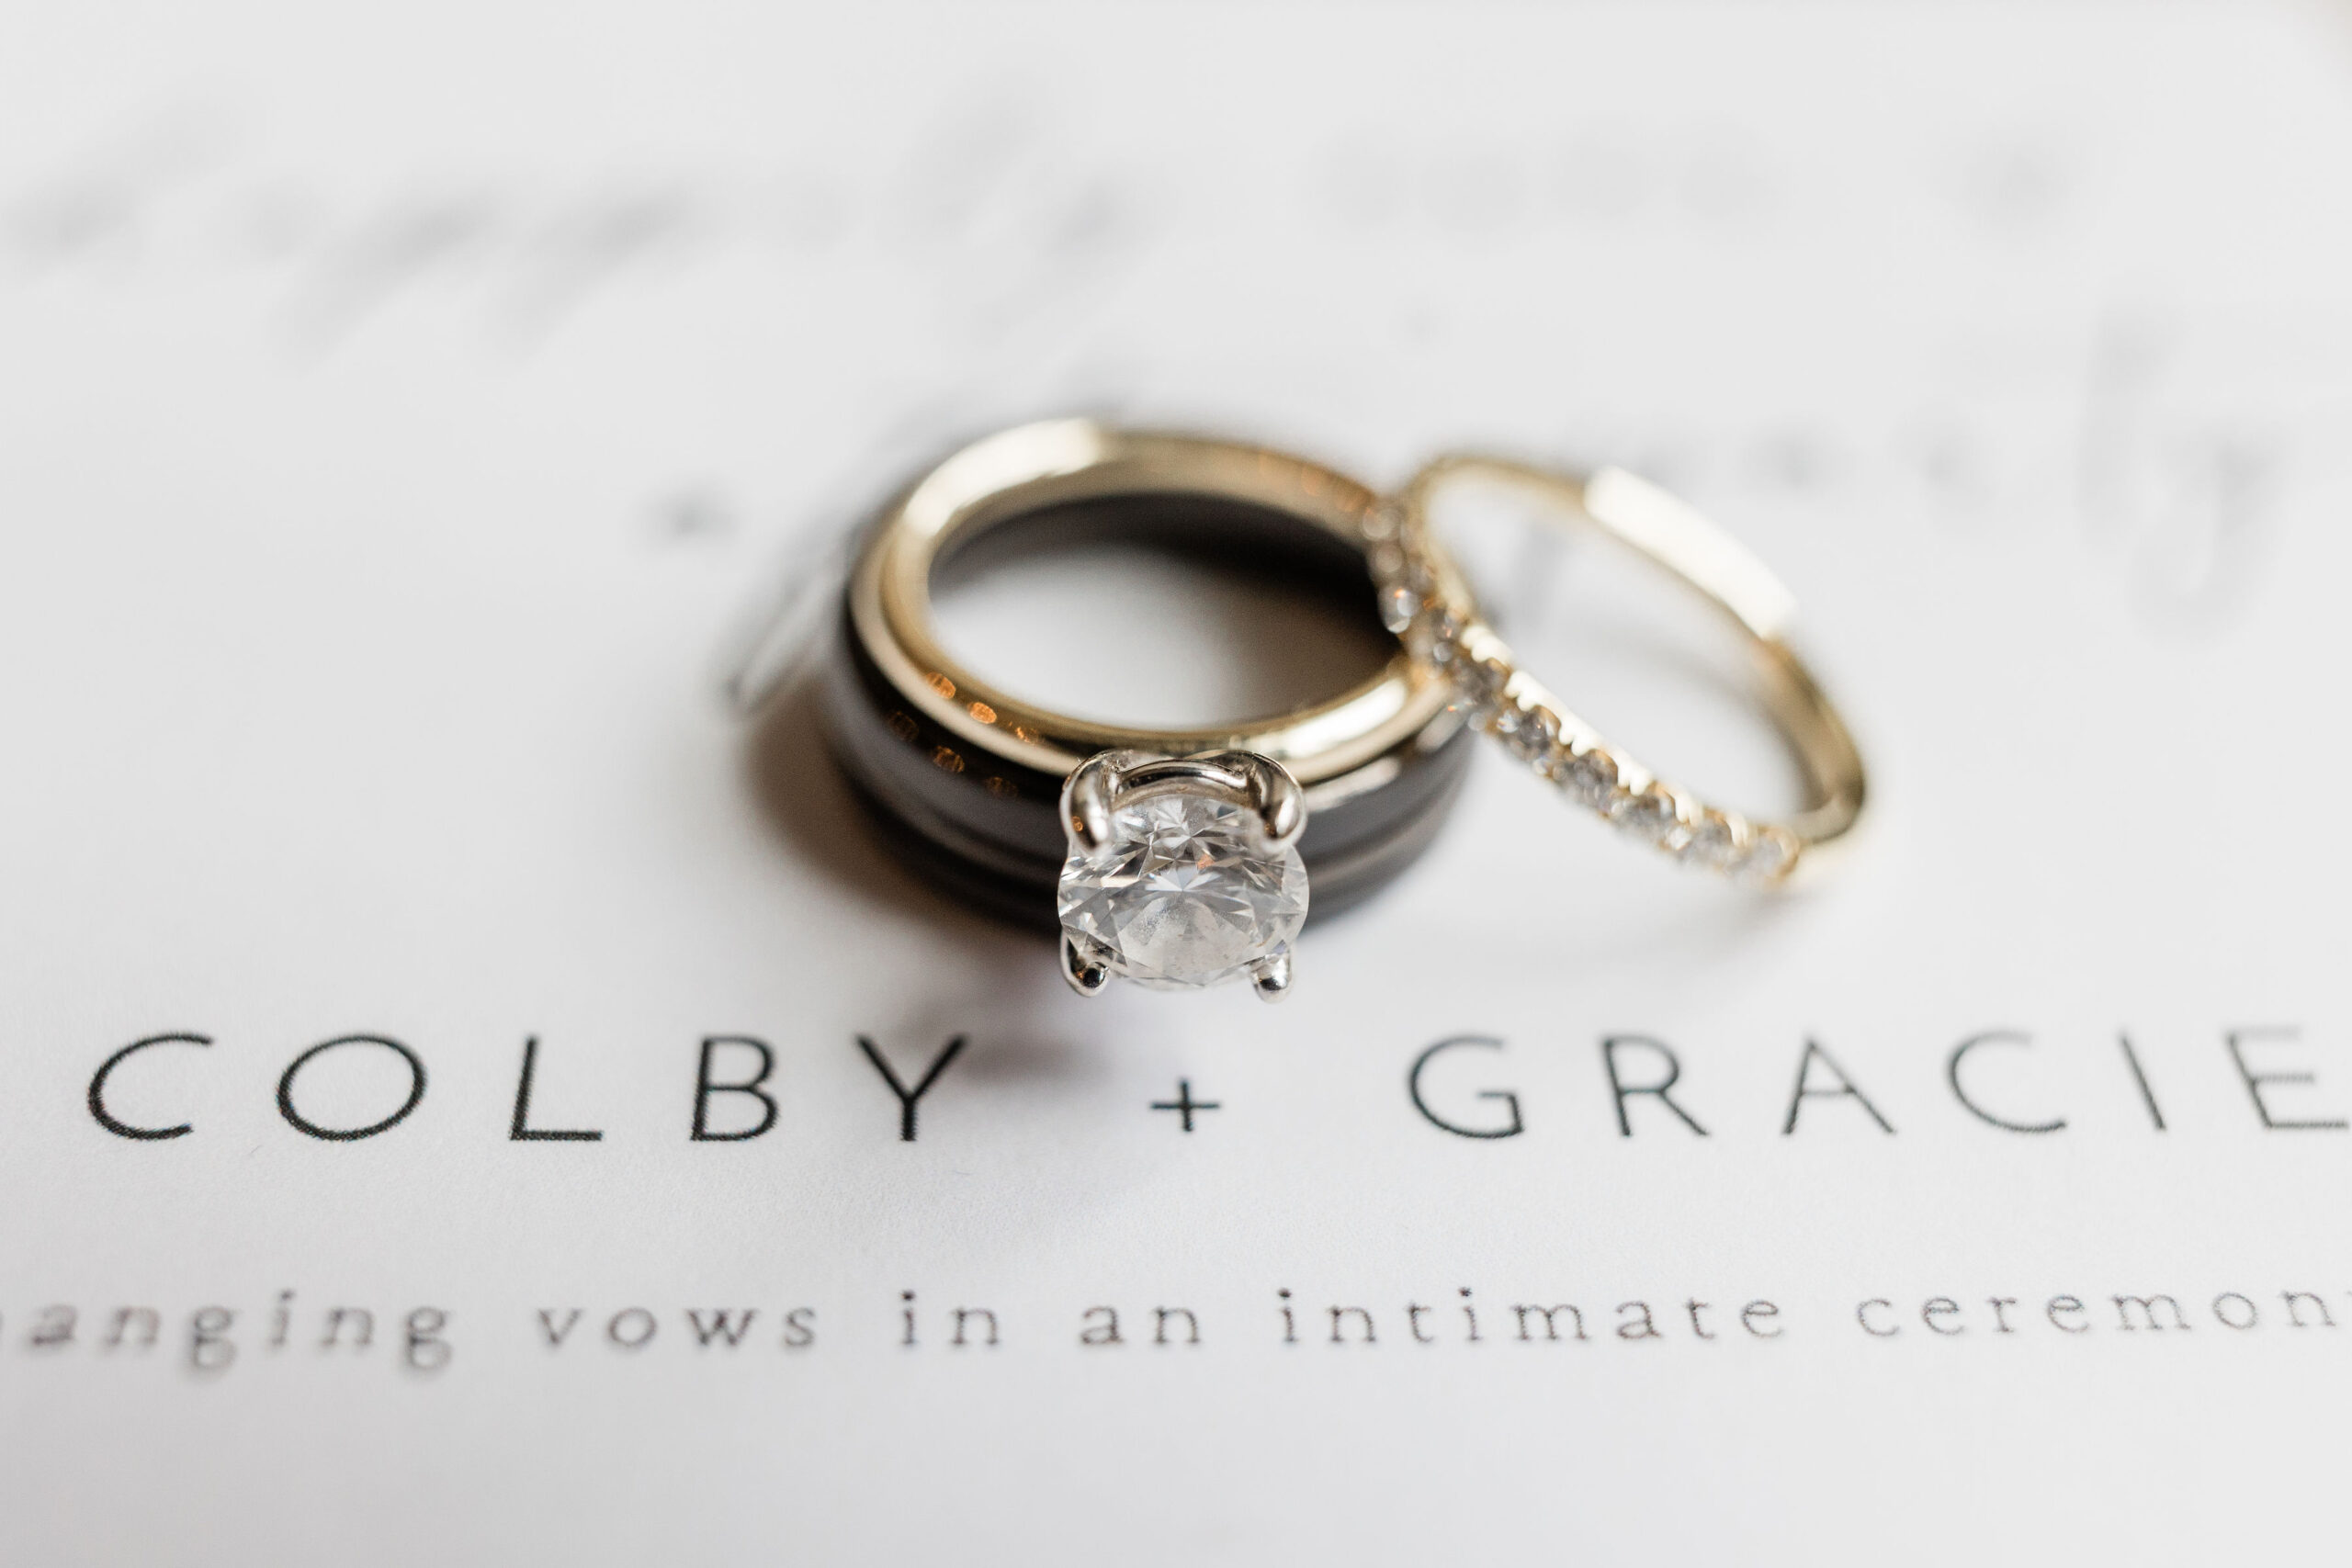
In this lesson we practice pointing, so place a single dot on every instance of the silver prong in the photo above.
(1275, 796)
(1086, 803)
(1271, 974)
(1082, 968)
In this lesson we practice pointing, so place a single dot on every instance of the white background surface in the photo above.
(401, 416)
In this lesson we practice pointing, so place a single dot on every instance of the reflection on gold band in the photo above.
(1037, 466)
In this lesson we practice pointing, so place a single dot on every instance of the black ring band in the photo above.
(1002, 850)
(982, 820)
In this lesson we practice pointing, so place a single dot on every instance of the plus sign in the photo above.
(1185, 1104)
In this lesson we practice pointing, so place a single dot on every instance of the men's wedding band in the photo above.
(967, 777)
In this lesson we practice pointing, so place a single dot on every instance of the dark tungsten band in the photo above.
(963, 779)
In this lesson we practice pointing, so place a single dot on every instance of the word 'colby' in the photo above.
(1637, 1068)
(708, 1085)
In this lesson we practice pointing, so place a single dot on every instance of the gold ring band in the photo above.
(1037, 465)
(968, 780)
(1426, 600)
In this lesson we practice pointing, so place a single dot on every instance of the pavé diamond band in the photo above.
(1173, 857)
(1425, 599)
(1182, 858)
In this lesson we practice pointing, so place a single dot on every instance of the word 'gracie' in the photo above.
(735, 1098)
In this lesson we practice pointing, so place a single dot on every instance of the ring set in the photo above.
(1181, 858)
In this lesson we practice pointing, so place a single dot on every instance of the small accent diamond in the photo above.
(1532, 733)
(1649, 815)
(1713, 842)
(1435, 636)
(1768, 857)
(1483, 680)
(1589, 776)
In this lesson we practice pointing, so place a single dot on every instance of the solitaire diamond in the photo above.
(1184, 892)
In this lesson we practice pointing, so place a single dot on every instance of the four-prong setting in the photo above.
(1271, 974)
(1184, 872)
(1083, 966)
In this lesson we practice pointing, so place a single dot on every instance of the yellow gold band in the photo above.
(1041, 465)
(1426, 600)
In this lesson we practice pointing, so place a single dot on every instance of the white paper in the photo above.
(403, 417)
